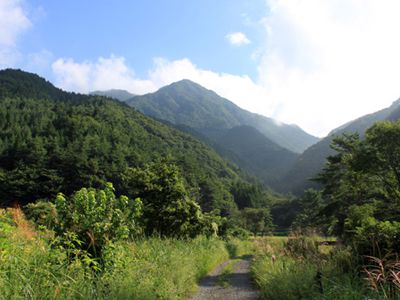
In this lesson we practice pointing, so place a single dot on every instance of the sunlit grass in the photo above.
(152, 268)
(314, 272)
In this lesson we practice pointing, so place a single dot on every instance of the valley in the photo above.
(103, 194)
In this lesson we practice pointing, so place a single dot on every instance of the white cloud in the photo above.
(237, 38)
(323, 63)
(327, 62)
(13, 22)
(105, 73)
(108, 73)
(240, 89)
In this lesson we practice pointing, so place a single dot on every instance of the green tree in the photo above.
(97, 217)
(168, 209)
(364, 172)
(257, 220)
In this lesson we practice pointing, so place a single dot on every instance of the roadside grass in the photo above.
(295, 268)
(31, 267)
(237, 247)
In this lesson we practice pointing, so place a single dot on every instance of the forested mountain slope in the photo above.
(188, 103)
(310, 163)
(53, 141)
(120, 95)
(257, 154)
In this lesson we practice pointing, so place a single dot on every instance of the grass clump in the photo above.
(32, 267)
(296, 268)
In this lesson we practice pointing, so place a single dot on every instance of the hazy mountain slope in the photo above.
(312, 160)
(188, 103)
(53, 141)
(120, 95)
(258, 154)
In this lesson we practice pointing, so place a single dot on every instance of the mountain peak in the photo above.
(188, 103)
(119, 94)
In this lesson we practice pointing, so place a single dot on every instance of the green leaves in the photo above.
(168, 208)
(98, 217)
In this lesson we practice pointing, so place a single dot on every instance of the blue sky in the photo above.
(314, 63)
(142, 30)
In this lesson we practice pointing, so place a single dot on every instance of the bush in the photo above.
(90, 219)
(377, 238)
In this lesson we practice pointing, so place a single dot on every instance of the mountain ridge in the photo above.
(188, 103)
(311, 161)
(54, 141)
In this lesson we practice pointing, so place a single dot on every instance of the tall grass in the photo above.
(32, 268)
(295, 269)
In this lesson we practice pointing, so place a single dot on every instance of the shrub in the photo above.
(376, 238)
(90, 219)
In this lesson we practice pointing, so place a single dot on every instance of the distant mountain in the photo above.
(188, 103)
(120, 95)
(310, 163)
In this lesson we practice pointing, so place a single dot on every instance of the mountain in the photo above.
(52, 141)
(120, 95)
(257, 154)
(311, 161)
(190, 104)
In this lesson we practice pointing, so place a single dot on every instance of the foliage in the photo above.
(154, 268)
(364, 172)
(311, 161)
(376, 238)
(309, 217)
(249, 195)
(168, 208)
(257, 220)
(91, 219)
(52, 141)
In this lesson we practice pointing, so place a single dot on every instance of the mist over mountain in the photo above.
(311, 161)
(188, 103)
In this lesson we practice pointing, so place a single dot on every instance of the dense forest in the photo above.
(53, 141)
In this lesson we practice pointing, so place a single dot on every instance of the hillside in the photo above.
(120, 95)
(188, 103)
(310, 162)
(258, 155)
(53, 141)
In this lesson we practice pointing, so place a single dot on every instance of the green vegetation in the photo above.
(33, 267)
(121, 95)
(255, 153)
(296, 268)
(175, 209)
(52, 141)
(311, 162)
(359, 203)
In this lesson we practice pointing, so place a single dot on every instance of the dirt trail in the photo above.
(238, 284)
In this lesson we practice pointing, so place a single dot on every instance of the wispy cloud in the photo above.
(237, 38)
(13, 22)
(103, 74)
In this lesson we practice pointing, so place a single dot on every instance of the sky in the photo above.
(314, 63)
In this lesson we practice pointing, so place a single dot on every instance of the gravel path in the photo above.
(239, 285)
